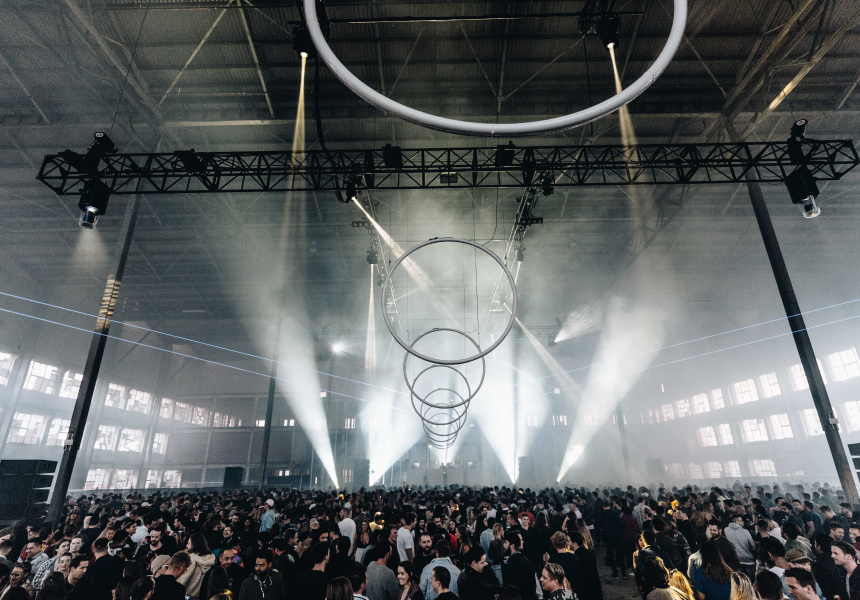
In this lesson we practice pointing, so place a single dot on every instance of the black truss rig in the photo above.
(395, 168)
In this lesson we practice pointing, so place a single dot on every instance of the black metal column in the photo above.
(804, 345)
(622, 435)
(270, 406)
(72, 444)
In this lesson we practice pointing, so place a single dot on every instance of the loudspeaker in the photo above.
(233, 477)
(25, 486)
(361, 473)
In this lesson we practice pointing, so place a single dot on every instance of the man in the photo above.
(381, 582)
(425, 552)
(854, 535)
(266, 584)
(566, 559)
(440, 580)
(75, 545)
(35, 552)
(235, 573)
(106, 570)
(157, 546)
(830, 576)
(405, 543)
(831, 518)
(649, 548)
(347, 525)
(228, 538)
(77, 569)
(487, 535)
(835, 531)
(5, 551)
(359, 582)
(639, 511)
(268, 518)
(476, 581)
(286, 557)
(801, 584)
(609, 524)
(744, 545)
(552, 583)
(312, 584)
(726, 548)
(589, 577)
(166, 585)
(672, 542)
(845, 557)
(443, 553)
(518, 570)
(768, 585)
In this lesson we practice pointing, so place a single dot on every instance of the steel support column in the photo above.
(72, 444)
(270, 405)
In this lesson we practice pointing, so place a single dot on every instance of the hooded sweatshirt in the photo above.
(193, 577)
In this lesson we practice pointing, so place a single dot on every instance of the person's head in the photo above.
(773, 550)
(178, 564)
(854, 532)
(197, 545)
(843, 555)
(339, 588)
(513, 541)
(319, 554)
(801, 584)
(510, 592)
(62, 547)
(713, 565)
(17, 593)
(559, 541)
(742, 587)
(18, 576)
(679, 580)
(476, 558)
(655, 574)
(552, 578)
(647, 538)
(790, 531)
(78, 567)
(358, 578)
(155, 537)
(100, 546)
(63, 562)
(225, 559)
(443, 549)
(837, 532)
(425, 543)
(142, 589)
(576, 540)
(714, 529)
(33, 547)
(405, 573)
(768, 585)
(440, 579)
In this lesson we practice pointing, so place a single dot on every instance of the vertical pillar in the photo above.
(270, 405)
(72, 444)
(622, 435)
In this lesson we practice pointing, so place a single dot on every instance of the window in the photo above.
(769, 385)
(71, 384)
(701, 404)
(416, 465)
(852, 415)
(762, 467)
(696, 471)
(115, 396)
(172, 479)
(283, 472)
(559, 420)
(6, 362)
(745, 391)
(733, 468)
(159, 443)
(139, 401)
(106, 437)
(589, 420)
(675, 470)
(714, 469)
(289, 422)
(798, 378)
(684, 408)
(182, 412)
(347, 476)
(724, 433)
(166, 410)
(96, 479)
(199, 416)
(753, 430)
(260, 422)
(717, 400)
(219, 420)
(532, 421)
(811, 424)
(130, 440)
(57, 432)
(707, 437)
(319, 424)
(349, 424)
(151, 479)
(781, 427)
(26, 429)
(668, 412)
(41, 378)
(123, 479)
(844, 365)
(323, 394)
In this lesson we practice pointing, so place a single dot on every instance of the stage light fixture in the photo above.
(795, 142)
(302, 42)
(391, 157)
(338, 347)
(351, 192)
(93, 203)
(607, 29)
(373, 255)
(547, 186)
(505, 154)
(803, 190)
(521, 253)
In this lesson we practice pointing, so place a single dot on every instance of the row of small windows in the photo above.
(29, 429)
(762, 467)
(755, 430)
(124, 479)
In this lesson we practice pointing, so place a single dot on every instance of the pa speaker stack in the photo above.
(25, 486)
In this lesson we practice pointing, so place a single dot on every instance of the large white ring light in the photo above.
(587, 115)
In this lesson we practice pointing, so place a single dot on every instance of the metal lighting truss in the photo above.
(174, 173)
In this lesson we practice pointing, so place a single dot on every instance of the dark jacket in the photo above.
(252, 588)
(519, 572)
(570, 563)
(609, 524)
(644, 554)
(167, 588)
(477, 586)
(106, 571)
(589, 577)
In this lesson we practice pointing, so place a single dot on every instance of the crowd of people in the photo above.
(502, 543)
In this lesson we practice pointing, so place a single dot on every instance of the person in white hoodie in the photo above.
(743, 543)
(202, 560)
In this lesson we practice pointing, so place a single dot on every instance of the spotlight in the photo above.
(607, 30)
(521, 253)
(505, 155)
(373, 255)
(338, 347)
(93, 202)
(351, 192)
(359, 223)
(302, 42)
(547, 187)
(795, 142)
(803, 190)
(391, 157)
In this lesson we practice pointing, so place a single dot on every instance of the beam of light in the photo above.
(378, 420)
(90, 251)
(580, 321)
(609, 382)
(370, 340)
(497, 419)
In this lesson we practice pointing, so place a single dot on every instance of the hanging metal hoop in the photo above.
(436, 366)
(676, 35)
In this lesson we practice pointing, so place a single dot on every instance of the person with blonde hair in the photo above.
(680, 585)
(554, 583)
(742, 587)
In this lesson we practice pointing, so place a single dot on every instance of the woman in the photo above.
(655, 579)
(496, 555)
(219, 582)
(679, 582)
(713, 578)
(142, 589)
(409, 589)
(582, 528)
(554, 585)
(50, 566)
(339, 588)
(340, 563)
(202, 560)
(53, 587)
(361, 545)
(540, 535)
(742, 588)
(463, 545)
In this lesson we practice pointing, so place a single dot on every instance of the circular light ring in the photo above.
(423, 400)
(472, 394)
(460, 415)
(459, 361)
(676, 35)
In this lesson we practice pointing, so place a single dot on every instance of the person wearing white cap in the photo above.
(268, 519)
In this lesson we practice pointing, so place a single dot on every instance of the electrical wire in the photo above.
(128, 71)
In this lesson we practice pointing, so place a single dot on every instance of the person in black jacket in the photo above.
(235, 574)
(648, 543)
(166, 586)
(566, 559)
(518, 570)
(609, 520)
(477, 581)
(589, 577)
(106, 570)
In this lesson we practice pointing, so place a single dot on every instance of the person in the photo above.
(359, 582)
(681, 585)
(425, 552)
(567, 559)
(381, 581)
(794, 539)
(235, 574)
(440, 580)
(648, 549)
(630, 531)
(48, 566)
(496, 553)
(801, 584)
(35, 552)
(725, 547)
(713, 579)
(54, 587)
(405, 543)
(166, 585)
(202, 559)
(443, 559)
(339, 588)
(845, 556)
(142, 589)
(268, 518)
(347, 526)
(409, 588)
(312, 584)
(18, 579)
(655, 581)
(590, 587)
(476, 581)
(518, 570)
(742, 588)
(106, 570)
(554, 584)
(609, 524)
(743, 543)
(768, 585)
(77, 570)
